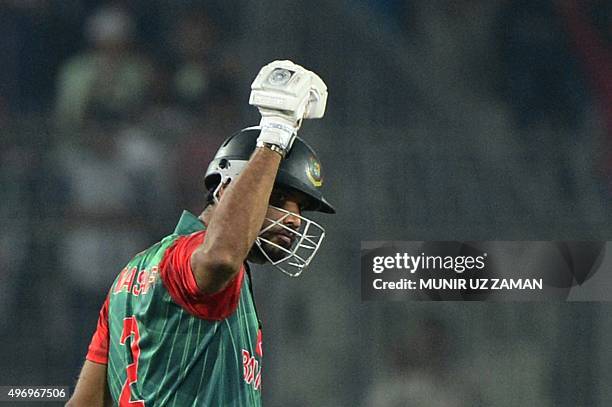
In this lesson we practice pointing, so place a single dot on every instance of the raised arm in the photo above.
(235, 222)
(284, 93)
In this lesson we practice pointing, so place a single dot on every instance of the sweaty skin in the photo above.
(279, 235)
(91, 389)
(235, 222)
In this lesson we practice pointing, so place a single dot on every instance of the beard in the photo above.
(274, 253)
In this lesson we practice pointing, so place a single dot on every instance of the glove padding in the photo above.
(285, 93)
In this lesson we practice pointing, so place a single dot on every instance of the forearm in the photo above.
(91, 389)
(237, 219)
(239, 215)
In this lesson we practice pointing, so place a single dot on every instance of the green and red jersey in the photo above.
(165, 343)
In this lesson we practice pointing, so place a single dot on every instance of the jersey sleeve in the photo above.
(177, 276)
(98, 347)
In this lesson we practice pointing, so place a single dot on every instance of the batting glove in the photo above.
(285, 93)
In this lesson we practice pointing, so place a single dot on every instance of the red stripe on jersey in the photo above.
(258, 346)
(177, 276)
(98, 348)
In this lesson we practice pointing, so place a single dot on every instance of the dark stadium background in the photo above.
(467, 120)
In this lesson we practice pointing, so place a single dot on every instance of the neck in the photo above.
(206, 214)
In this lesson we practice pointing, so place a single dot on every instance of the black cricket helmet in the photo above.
(299, 170)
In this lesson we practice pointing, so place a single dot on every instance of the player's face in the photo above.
(281, 235)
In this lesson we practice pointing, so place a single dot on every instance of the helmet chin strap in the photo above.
(217, 191)
(298, 256)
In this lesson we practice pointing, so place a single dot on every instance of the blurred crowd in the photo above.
(110, 113)
(111, 110)
(548, 61)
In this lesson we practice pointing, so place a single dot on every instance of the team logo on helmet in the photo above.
(313, 172)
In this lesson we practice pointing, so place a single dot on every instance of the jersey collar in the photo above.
(188, 223)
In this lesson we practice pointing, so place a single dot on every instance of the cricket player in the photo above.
(179, 326)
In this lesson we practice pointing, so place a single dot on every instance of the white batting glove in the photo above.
(285, 93)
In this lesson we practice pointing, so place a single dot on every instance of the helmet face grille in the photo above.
(288, 250)
(300, 246)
